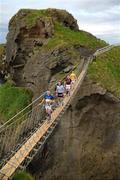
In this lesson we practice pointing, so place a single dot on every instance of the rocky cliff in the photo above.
(2, 63)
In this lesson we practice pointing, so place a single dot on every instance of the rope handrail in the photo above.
(106, 48)
(15, 131)
(21, 111)
(33, 102)
(27, 113)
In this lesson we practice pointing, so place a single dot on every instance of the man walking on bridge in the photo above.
(49, 100)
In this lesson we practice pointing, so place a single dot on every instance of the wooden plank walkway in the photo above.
(10, 167)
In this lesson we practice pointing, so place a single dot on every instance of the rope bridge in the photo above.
(24, 134)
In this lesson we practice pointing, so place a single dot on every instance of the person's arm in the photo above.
(52, 97)
(63, 88)
(56, 91)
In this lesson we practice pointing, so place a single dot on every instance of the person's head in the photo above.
(68, 77)
(59, 83)
(48, 93)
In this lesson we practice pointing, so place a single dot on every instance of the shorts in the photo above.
(60, 95)
(48, 100)
(48, 107)
(68, 86)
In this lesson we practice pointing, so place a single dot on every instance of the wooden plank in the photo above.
(24, 151)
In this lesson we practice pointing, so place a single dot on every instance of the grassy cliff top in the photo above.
(30, 16)
(64, 35)
(106, 70)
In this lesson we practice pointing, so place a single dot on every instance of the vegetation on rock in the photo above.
(65, 27)
(32, 16)
(12, 100)
(105, 70)
(22, 176)
(65, 35)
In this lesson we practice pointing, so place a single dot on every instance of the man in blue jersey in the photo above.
(49, 99)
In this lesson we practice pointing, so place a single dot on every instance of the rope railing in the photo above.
(18, 128)
(17, 131)
(30, 105)
(22, 111)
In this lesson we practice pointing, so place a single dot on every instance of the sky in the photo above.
(99, 17)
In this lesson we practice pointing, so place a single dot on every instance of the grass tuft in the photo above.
(22, 176)
(33, 15)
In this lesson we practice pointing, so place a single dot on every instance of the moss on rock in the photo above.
(22, 176)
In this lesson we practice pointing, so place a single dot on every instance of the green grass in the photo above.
(33, 15)
(106, 71)
(12, 100)
(64, 35)
(29, 16)
(22, 176)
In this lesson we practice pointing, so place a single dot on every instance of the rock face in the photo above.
(86, 144)
(3, 66)
(27, 63)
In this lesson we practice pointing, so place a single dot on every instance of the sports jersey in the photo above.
(73, 76)
(48, 97)
(68, 81)
(60, 89)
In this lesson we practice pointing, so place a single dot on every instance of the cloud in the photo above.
(91, 5)
(110, 37)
